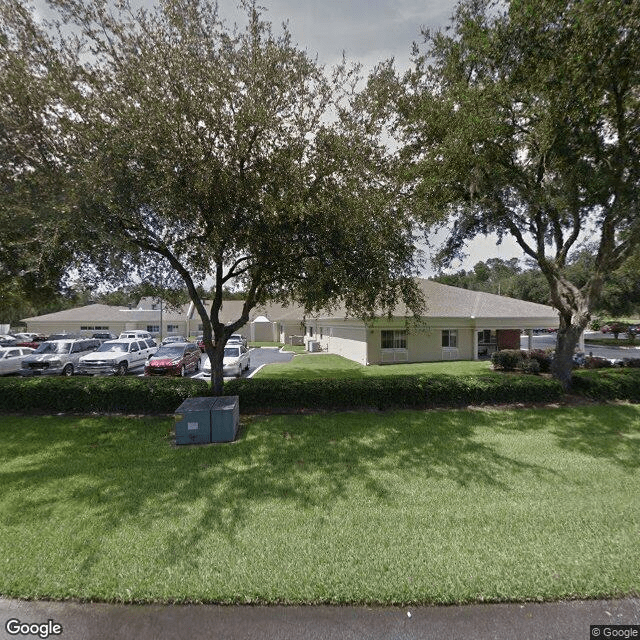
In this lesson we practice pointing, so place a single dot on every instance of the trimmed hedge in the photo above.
(81, 394)
(164, 395)
(390, 392)
(610, 384)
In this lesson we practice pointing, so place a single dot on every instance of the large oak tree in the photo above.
(229, 154)
(523, 118)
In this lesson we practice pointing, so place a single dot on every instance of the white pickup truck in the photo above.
(116, 357)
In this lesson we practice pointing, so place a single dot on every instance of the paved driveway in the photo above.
(548, 341)
(258, 356)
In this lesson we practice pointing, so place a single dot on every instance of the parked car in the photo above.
(27, 337)
(104, 335)
(135, 333)
(33, 343)
(236, 360)
(57, 357)
(116, 357)
(11, 359)
(175, 359)
(8, 341)
(171, 339)
(236, 338)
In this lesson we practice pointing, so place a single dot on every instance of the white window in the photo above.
(172, 328)
(393, 339)
(153, 328)
(450, 338)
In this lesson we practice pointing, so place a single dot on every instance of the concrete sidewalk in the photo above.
(531, 621)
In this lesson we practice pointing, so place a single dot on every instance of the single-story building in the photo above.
(458, 324)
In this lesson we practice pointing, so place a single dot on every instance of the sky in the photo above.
(368, 32)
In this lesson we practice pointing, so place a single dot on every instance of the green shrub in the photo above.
(422, 391)
(507, 359)
(543, 358)
(614, 384)
(596, 362)
(530, 365)
(100, 395)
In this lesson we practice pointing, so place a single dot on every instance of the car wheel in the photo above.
(248, 365)
(68, 370)
(197, 365)
(122, 369)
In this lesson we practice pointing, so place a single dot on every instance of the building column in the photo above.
(529, 339)
(475, 344)
(581, 341)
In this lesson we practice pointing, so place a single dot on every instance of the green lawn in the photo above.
(323, 365)
(434, 507)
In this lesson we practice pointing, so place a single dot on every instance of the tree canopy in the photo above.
(524, 119)
(228, 153)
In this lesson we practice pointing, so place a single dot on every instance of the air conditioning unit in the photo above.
(314, 346)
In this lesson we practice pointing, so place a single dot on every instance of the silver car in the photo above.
(57, 357)
(11, 359)
(236, 360)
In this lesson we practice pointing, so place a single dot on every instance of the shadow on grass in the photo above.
(608, 432)
(116, 470)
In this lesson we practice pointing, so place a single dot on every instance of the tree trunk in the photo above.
(562, 365)
(216, 357)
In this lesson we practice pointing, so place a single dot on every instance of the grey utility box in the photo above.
(193, 420)
(208, 419)
(225, 419)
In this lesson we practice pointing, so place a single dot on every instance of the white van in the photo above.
(135, 334)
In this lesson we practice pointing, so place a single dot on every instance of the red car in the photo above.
(34, 343)
(175, 359)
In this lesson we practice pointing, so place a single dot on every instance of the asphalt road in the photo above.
(527, 621)
(548, 341)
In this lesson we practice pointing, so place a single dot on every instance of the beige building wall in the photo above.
(263, 332)
(424, 344)
(48, 328)
(347, 339)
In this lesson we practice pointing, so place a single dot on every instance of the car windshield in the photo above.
(117, 347)
(169, 352)
(231, 352)
(54, 347)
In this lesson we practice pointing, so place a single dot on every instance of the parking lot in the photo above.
(548, 341)
(259, 356)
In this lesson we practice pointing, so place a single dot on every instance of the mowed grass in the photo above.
(313, 366)
(402, 507)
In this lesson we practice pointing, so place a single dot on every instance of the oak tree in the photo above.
(524, 119)
(231, 155)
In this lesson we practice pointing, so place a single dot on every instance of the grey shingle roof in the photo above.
(442, 301)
